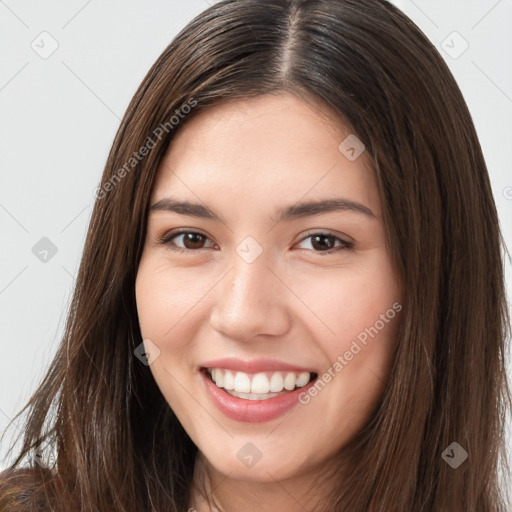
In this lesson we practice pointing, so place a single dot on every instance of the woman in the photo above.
(291, 295)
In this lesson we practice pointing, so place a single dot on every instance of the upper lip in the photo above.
(254, 365)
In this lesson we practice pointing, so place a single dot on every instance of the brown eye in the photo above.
(321, 242)
(185, 241)
(193, 240)
(327, 243)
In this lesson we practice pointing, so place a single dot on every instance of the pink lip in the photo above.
(253, 366)
(253, 411)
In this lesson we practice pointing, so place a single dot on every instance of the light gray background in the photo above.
(59, 115)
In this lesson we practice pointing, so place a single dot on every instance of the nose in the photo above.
(250, 301)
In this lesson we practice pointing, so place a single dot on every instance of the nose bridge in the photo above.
(249, 283)
(251, 300)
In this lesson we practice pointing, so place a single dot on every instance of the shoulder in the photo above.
(20, 490)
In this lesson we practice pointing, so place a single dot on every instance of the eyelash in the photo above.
(167, 238)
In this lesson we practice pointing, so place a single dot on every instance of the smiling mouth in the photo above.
(258, 386)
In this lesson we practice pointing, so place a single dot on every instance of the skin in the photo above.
(244, 160)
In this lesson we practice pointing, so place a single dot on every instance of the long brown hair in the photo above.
(119, 446)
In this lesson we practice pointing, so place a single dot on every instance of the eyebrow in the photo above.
(304, 209)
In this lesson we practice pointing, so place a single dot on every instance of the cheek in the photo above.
(350, 300)
(361, 311)
(165, 304)
(165, 298)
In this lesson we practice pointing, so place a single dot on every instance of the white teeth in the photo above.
(258, 386)
(242, 383)
(276, 382)
(302, 379)
(229, 381)
(289, 381)
(218, 378)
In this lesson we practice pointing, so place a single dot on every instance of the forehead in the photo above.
(266, 147)
(267, 122)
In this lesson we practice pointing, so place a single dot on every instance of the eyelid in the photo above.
(329, 232)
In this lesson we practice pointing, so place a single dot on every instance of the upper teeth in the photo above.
(261, 383)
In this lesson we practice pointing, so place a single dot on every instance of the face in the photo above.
(265, 268)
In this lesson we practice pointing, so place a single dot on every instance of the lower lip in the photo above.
(252, 411)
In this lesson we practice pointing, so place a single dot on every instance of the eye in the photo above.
(327, 243)
(192, 240)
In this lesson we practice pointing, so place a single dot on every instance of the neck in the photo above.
(213, 491)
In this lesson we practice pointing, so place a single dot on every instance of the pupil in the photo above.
(321, 237)
(194, 238)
